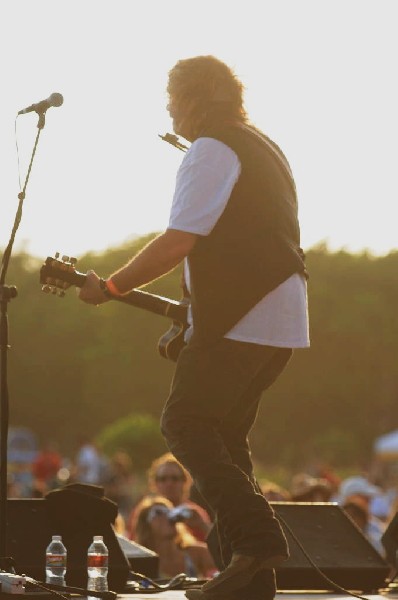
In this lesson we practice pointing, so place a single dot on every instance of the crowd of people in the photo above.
(162, 514)
(370, 507)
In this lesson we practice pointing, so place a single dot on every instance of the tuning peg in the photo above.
(61, 293)
(56, 255)
(73, 260)
(65, 258)
(54, 290)
(46, 288)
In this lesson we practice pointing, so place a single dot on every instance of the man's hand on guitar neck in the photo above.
(91, 292)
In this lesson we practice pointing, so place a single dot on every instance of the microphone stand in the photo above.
(7, 293)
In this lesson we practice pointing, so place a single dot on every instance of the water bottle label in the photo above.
(96, 561)
(55, 560)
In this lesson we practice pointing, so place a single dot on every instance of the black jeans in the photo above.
(211, 408)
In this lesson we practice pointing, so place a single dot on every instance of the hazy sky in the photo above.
(320, 79)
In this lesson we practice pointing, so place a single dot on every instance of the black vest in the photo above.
(255, 244)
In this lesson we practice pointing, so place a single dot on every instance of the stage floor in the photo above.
(289, 595)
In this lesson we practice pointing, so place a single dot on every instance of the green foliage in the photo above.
(136, 434)
(337, 446)
(75, 369)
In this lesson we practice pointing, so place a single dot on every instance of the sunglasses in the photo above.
(164, 478)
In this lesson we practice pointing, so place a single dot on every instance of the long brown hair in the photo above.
(208, 90)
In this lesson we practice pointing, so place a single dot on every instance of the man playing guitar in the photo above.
(233, 221)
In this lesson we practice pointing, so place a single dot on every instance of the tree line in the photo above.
(74, 369)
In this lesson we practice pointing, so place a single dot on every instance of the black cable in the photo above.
(175, 583)
(43, 587)
(57, 589)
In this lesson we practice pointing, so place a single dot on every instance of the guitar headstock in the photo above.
(57, 274)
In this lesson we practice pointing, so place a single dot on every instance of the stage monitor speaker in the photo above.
(30, 526)
(390, 540)
(335, 544)
(141, 559)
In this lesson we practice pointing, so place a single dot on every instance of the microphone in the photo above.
(41, 107)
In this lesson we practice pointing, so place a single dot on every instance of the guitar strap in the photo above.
(183, 285)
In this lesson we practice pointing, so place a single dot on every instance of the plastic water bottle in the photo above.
(97, 565)
(56, 561)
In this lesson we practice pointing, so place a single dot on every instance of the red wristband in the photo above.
(112, 288)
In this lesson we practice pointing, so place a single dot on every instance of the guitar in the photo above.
(57, 275)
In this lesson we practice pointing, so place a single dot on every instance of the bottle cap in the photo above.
(98, 538)
(56, 538)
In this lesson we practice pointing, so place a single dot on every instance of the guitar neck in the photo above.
(145, 300)
(156, 304)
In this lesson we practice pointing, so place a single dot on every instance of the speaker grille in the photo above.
(334, 543)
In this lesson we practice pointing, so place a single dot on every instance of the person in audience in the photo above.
(168, 478)
(359, 513)
(119, 483)
(88, 463)
(359, 491)
(357, 487)
(178, 550)
(274, 492)
(45, 468)
(322, 469)
(305, 488)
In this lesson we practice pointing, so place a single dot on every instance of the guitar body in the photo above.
(172, 342)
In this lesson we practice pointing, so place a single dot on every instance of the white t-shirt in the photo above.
(204, 184)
